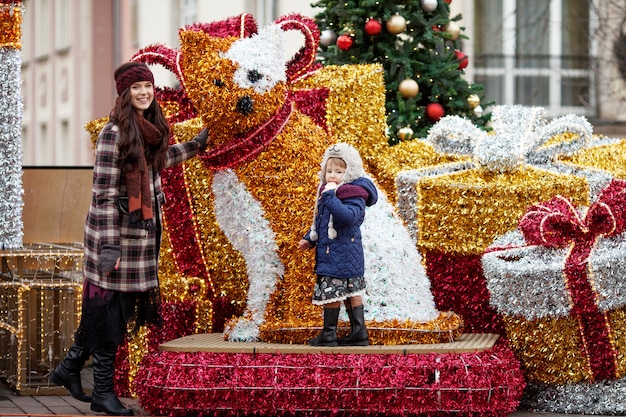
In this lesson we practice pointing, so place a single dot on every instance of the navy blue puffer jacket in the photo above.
(342, 257)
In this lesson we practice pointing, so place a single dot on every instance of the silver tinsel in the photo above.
(599, 398)
(521, 137)
(527, 281)
(11, 190)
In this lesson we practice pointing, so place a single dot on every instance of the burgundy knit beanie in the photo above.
(133, 74)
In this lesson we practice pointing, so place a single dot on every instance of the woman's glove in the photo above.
(109, 254)
(202, 138)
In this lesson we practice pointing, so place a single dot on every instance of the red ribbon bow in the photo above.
(557, 223)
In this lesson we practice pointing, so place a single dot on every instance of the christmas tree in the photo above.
(418, 44)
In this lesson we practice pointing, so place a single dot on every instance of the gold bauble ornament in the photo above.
(408, 88)
(453, 30)
(405, 133)
(473, 100)
(396, 24)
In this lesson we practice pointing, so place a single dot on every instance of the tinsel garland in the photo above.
(208, 384)
(604, 398)
(562, 284)
(11, 112)
(11, 24)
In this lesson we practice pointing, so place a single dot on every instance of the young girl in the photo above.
(344, 193)
(122, 234)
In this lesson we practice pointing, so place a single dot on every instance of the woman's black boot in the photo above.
(359, 336)
(328, 335)
(103, 398)
(67, 373)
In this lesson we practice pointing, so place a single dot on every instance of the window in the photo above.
(188, 12)
(535, 53)
(134, 24)
(42, 144)
(42, 29)
(63, 144)
(62, 25)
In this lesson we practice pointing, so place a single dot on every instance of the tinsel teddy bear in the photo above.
(234, 215)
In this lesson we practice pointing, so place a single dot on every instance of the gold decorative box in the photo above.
(40, 305)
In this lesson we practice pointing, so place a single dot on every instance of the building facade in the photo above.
(563, 55)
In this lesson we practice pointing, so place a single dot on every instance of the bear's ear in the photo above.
(198, 44)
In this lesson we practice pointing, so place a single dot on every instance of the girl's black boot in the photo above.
(359, 336)
(328, 335)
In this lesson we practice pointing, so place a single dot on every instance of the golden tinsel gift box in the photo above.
(40, 288)
(559, 283)
(455, 210)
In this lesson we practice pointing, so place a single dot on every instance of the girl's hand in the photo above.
(304, 244)
(330, 186)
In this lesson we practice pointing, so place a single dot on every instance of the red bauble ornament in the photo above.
(344, 42)
(448, 1)
(434, 111)
(373, 27)
(462, 58)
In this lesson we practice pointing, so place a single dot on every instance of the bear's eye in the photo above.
(254, 76)
(218, 83)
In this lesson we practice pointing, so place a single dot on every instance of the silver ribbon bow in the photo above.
(521, 136)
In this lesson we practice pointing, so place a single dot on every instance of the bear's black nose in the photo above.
(245, 105)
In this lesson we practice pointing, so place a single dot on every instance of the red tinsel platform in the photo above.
(487, 383)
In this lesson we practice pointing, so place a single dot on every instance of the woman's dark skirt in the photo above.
(108, 316)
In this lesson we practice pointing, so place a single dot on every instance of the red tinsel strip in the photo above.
(458, 284)
(201, 383)
(303, 61)
(122, 370)
(187, 251)
(313, 103)
(557, 223)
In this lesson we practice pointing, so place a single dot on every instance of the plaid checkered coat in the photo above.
(106, 225)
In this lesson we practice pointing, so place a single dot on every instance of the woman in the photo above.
(122, 234)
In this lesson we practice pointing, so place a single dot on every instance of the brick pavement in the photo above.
(12, 404)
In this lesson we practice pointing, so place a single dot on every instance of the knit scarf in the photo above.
(138, 181)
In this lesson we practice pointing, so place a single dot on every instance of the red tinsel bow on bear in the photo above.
(557, 223)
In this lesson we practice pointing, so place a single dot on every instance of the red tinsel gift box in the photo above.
(559, 284)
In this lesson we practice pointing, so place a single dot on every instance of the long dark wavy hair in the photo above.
(131, 145)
